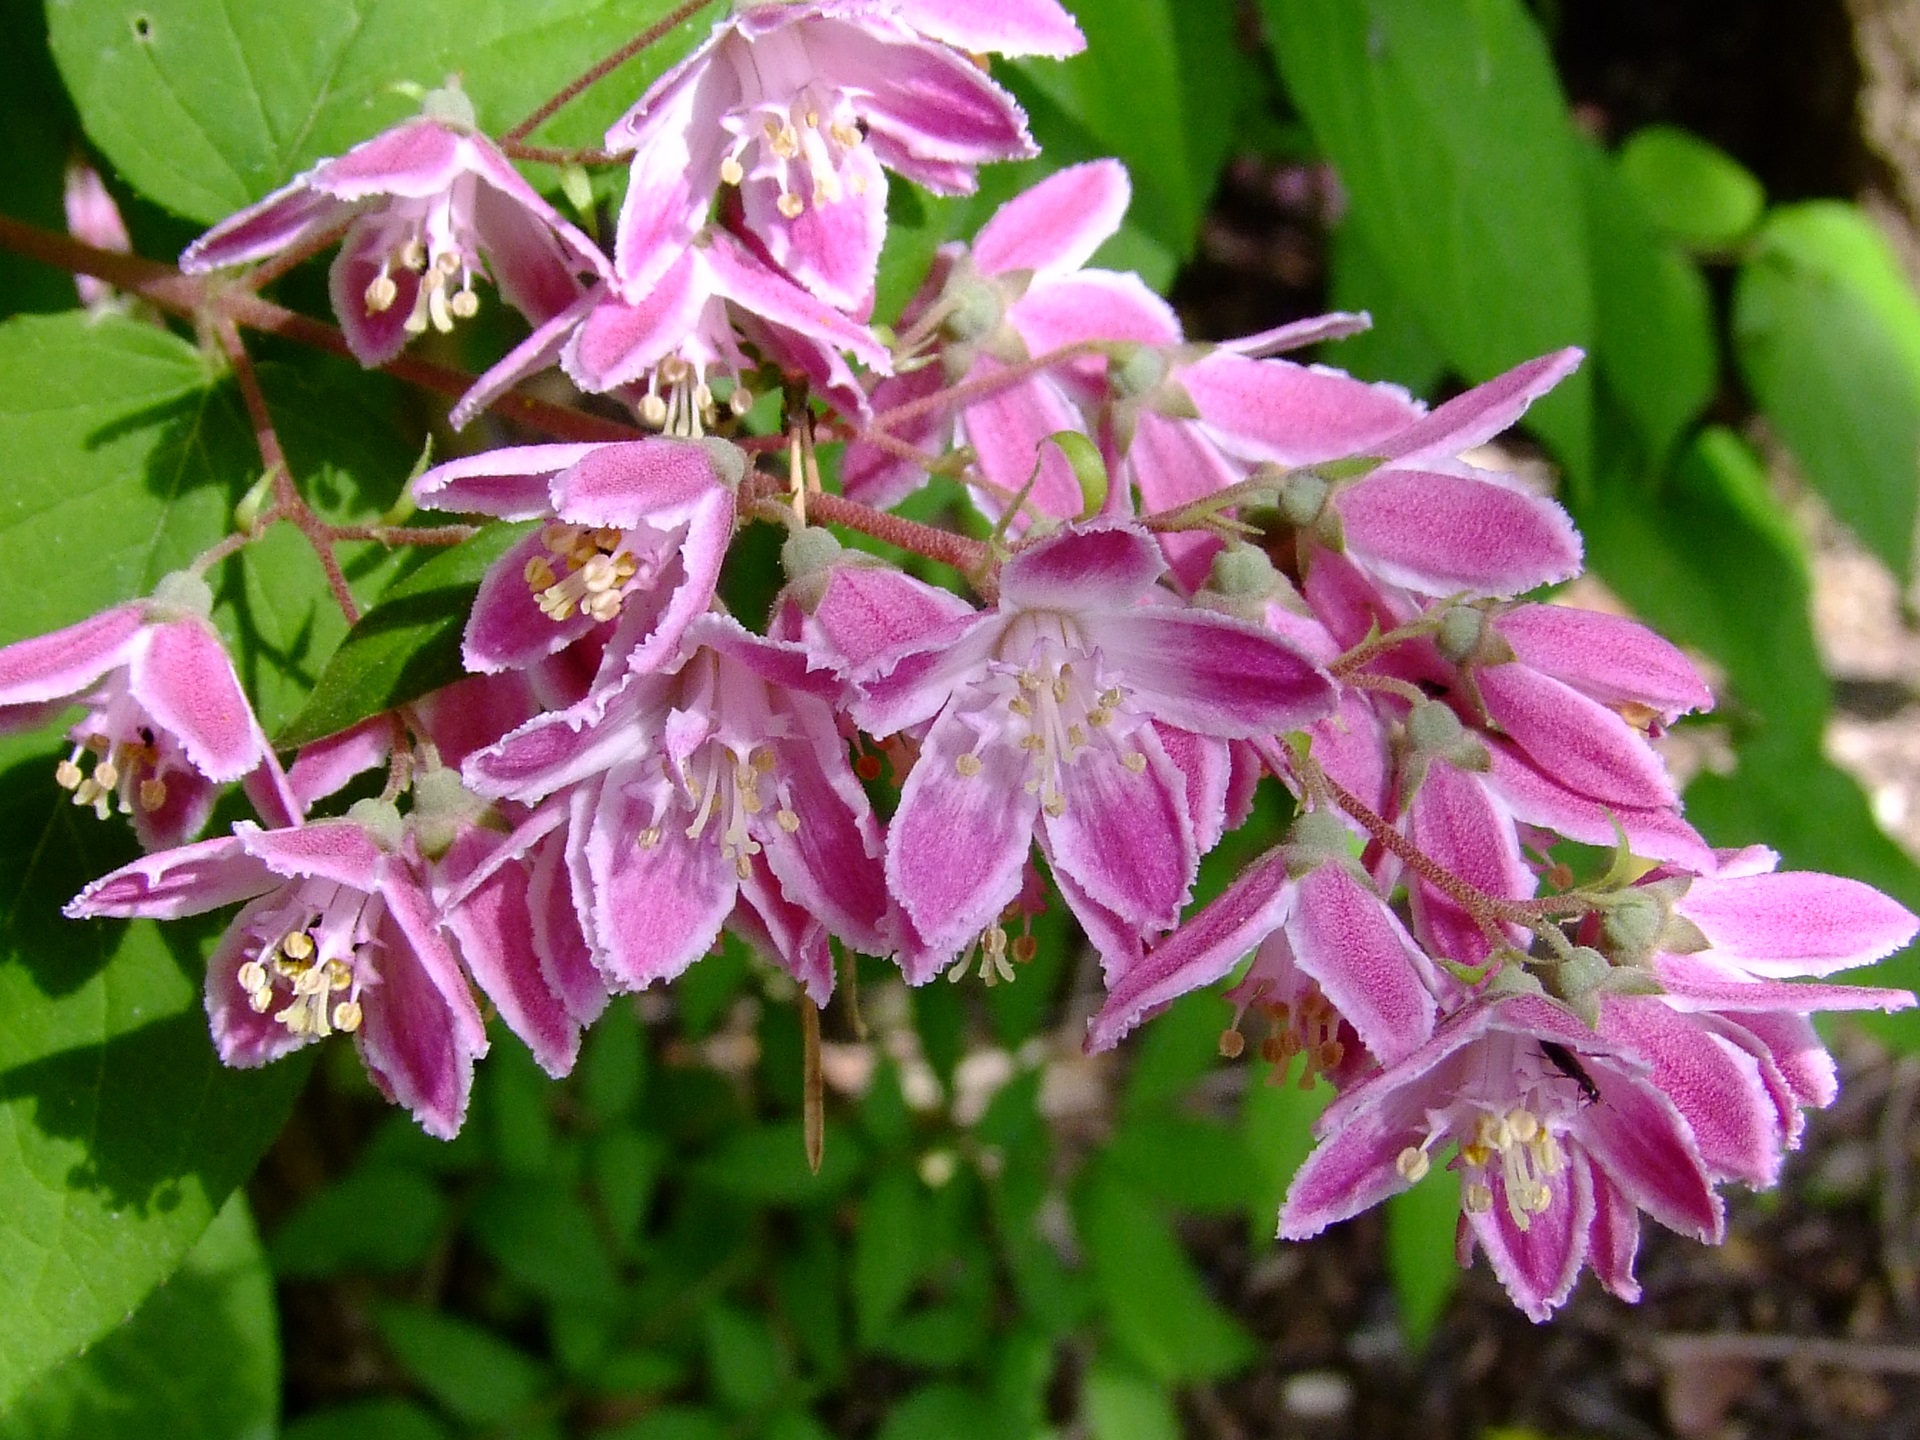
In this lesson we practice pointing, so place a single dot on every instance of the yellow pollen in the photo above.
(730, 171)
(1478, 1197)
(381, 293)
(789, 821)
(1232, 1044)
(153, 794)
(649, 837)
(106, 774)
(1099, 717)
(1413, 1164)
(1020, 706)
(967, 765)
(465, 305)
(790, 205)
(67, 775)
(1136, 762)
(252, 976)
(346, 1016)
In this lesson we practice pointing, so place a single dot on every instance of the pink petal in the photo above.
(1008, 430)
(656, 908)
(619, 342)
(1797, 922)
(1455, 823)
(1292, 414)
(336, 850)
(188, 881)
(901, 688)
(865, 610)
(1540, 1264)
(831, 249)
(467, 716)
(374, 337)
(878, 477)
(60, 665)
(558, 940)
(1705, 982)
(1615, 660)
(958, 843)
(1201, 952)
(1535, 799)
(785, 933)
(1614, 1240)
(1482, 413)
(931, 114)
(1335, 325)
(1351, 1170)
(1125, 836)
(1579, 742)
(510, 483)
(676, 139)
(507, 629)
(1082, 568)
(496, 940)
(1442, 534)
(1001, 27)
(1210, 673)
(654, 481)
(326, 767)
(1715, 1085)
(560, 748)
(765, 293)
(533, 354)
(1054, 227)
(243, 1037)
(1344, 936)
(281, 220)
(183, 814)
(186, 682)
(409, 1041)
(1091, 305)
(1637, 1137)
(412, 915)
(417, 159)
(1207, 767)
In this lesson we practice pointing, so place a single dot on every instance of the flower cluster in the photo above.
(1210, 569)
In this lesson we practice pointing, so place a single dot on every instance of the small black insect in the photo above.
(1562, 1059)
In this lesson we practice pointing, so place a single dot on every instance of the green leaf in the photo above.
(1189, 1163)
(1171, 1054)
(1449, 131)
(41, 129)
(1156, 1303)
(375, 1218)
(206, 106)
(1827, 333)
(199, 1360)
(474, 1373)
(939, 1412)
(1277, 1121)
(768, 1164)
(539, 1231)
(745, 1360)
(368, 1420)
(677, 1422)
(887, 1250)
(1657, 349)
(1122, 1404)
(406, 646)
(1420, 1258)
(1696, 193)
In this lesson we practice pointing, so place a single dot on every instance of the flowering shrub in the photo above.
(1178, 584)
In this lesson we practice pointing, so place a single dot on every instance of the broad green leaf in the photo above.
(368, 1420)
(1173, 1052)
(768, 1164)
(406, 645)
(206, 106)
(1157, 1307)
(199, 1360)
(887, 1253)
(539, 1231)
(1420, 1258)
(378, 1218)
(1692, 556)
(1448, 128)
(1189, 1163)
(1159, 85)
(1398, 347)
(120, 1133)
(746, 1363)
(1657, 351)
(472, 1372)
(41, 129)
(1119, 1403)
(1695, 192)
(939, 1412)
(1827, 333)
(1277, 1121)
(675, 1422)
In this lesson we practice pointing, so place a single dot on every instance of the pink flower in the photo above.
(1042, 714)
(691, 789)
(636, 536)
(1326, 946)
(1022, 291)
(1561, 1139)
(799, 106)
(94, 219)
(166, 722)
(429, 207)
(338, 934)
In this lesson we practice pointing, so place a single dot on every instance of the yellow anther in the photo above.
(67, 775)
(252, 976)
(1076, 735)
(381, 293)
(346, 1016)
(466, 305)
(967, 765)
(1477, 1197)
(789, 821)
(790, 205)
(1232, 1044)
(1099, 717)
(1523, 1125)
(298, 945)
(649, 837)
(153, 793)
(1135, 761)
(1055, 806)
(106, 775)
(730, 171)
(1413, 1164)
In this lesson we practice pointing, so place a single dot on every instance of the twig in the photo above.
(650, 36)
(969, 557)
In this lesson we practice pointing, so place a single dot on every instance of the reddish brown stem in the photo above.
(193, 298)
(557, 154)
(972, 390)
(969, 557)
(652, 35)
(287, 498)
(391, 535)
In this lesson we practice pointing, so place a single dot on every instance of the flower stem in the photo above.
(652, 35)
